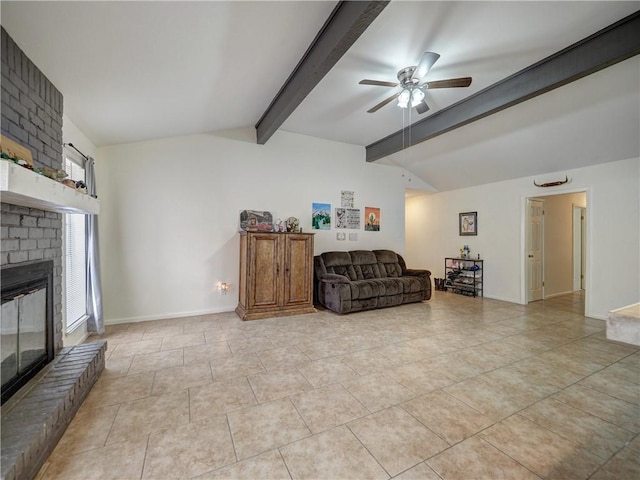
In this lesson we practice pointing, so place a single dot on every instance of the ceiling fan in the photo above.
(412, 92)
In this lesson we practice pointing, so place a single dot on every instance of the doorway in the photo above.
(555, 246)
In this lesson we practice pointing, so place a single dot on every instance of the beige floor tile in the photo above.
(136, 348)
(447, 416)
(618, 412)
(454, 366)
(189, 450)
(326, 371)
(401, 353)
(422, 471)
(625, 464)
(88, 430)
(266, 466)
(220, 397)
(511, 379)
(236, 366)
(279, 383)
(122, 461)
(367, 361)
(378, 391)
(405, 442)
(162, 332)
(548, 371)
(205, 353)
(178, 378)
(111, 391)
(590, 432)
(318, 349)
(476, 459)
(334, 454)
(282, 357)
(240, 346)
(419, 377)
(180, 341)
(614, 386)
(141, 417)
(625, 371)
(540, 450)
(116, 367)
(328, 407)
(150, 362)
(492, 400)
(265, 427)
(222, 335)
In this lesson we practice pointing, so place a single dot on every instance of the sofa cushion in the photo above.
(361, 289)
(390, 286)
(339, 263)
(389, 263)
(365, 264)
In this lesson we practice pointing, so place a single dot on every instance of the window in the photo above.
(75, 257)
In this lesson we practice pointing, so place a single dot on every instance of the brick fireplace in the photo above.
(36, 416)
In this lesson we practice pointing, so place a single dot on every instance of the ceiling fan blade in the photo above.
(422, 107)
(383, 103)
(377, 83)
(450, 83)
(426, 62)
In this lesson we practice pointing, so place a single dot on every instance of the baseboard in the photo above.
(149, 318)
(503, 299)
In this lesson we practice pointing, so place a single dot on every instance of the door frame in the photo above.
(523, 244)
(579, 240)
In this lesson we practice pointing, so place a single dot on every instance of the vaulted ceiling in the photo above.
(132, 71)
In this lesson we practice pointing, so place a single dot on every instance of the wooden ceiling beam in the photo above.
(611, 45)
(343, 27)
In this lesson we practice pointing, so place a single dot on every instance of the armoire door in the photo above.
(264, 271)
(298, 278)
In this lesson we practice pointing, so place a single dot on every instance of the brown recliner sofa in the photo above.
(366, 279)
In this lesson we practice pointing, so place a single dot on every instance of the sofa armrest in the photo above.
(414, 272)
(334, 278)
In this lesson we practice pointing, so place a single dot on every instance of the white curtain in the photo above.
(95, 323)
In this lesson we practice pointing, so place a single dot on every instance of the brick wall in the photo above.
(32, 116)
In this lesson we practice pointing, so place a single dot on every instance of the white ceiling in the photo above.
(133, 71)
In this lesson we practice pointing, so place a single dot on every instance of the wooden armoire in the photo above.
(276, 275)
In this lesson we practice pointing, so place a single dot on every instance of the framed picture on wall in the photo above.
(468, 223)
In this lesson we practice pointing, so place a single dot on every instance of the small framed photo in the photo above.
(468, 223)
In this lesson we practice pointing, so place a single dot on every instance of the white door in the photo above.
(535, 224)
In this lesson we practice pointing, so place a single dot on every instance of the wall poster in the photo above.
(372, 219)
(321, 216)
(346, 199)
(348, 218)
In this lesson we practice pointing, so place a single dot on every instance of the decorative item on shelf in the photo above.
(293, 224)
(13, 151)
(465, 252)
(67, 182)
(256, 221)
(81, 186)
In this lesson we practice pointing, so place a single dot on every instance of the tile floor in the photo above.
(455, 388)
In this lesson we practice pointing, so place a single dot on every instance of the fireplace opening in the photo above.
(26, 323)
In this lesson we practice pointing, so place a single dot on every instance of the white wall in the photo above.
(72, 134)
(170, 212)
(613, 232)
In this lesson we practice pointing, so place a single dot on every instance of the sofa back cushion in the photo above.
(339, 263)
(365, 264)
(388, 263)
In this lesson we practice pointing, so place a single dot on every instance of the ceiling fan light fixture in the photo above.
(403, 98)
(416, 97)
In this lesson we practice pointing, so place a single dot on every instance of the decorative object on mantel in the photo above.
(552, 184)
(17, 153)
(468, 223)
(256, 221)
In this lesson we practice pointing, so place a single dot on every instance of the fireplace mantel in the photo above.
(21, 186)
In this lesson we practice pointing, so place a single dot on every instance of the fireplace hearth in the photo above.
(27, 323)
